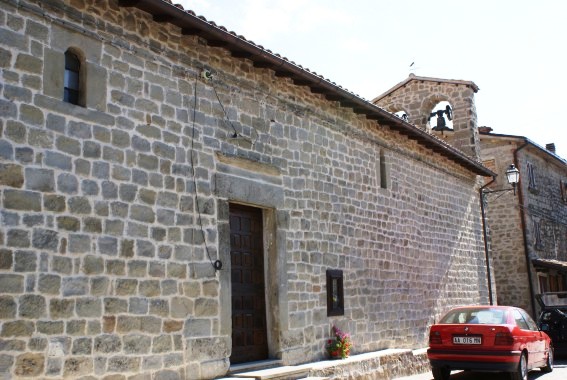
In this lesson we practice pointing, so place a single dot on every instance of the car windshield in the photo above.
(473, 315)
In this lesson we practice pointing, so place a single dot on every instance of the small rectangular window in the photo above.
(335, 293)
(381, 168)
(72, 79)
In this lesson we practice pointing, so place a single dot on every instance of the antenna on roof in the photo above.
(413, 67)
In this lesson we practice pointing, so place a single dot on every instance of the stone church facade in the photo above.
(176, 199)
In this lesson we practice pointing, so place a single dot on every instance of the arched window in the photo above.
(72, 81)
(402, 115)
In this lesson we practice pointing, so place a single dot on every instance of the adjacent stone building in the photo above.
(528, 228)
(176, 199)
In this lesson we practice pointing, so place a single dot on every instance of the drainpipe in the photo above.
(524, 232)
(484, 234)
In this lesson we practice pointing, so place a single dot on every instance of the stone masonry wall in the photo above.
(544, 205)
(505, 230)
(111, 213)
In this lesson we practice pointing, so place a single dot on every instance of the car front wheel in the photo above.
(441, 373)
(549, 363)
(522, 370)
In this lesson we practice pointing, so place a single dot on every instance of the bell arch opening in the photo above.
(440, 117)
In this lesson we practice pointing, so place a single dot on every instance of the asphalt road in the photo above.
(559, 373)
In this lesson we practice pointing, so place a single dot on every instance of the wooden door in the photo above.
(249, 333)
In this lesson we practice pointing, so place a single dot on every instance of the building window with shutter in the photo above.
(531, 177)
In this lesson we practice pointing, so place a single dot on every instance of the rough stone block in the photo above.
(18, 328)
(11, 283)
(67, 183)
(137, 344)
(50, 327)
(162, 343)
(6, 259)
(89, 187)
(138, 306)
(58, 160)
(150, 325)
(79, 205)
(159, 307)
(24, 155)
(82, 346)
(93, 265)
(11, 175)
(49, 283)
(29, 365)
(115, 267)
(54, 366)
(124, 364)
(22, 200)
(78, 366)
(76, 327)
(68, 223)
(32, 306)
(145, 248)
(181, 307)
(18, 238)
(108, 324)
(79, 243)
(142, 214)
(126, 287)
(175, 270)
(107, 344)
(137, 268)
(149, 288)
(25, 261)
(94, 327)
(37, 344)
(108, 245)
(61, 308)
(55, 203)
(8, 307)
(206, 307)
(100, 286)
(45, 239)
(6, 149)
(88, 307)
(75, 286)
(63, 265)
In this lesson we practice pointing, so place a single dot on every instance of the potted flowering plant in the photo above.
(340, 346)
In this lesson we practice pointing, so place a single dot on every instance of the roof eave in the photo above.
(239, 47)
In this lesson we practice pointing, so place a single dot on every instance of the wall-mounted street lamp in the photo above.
(513, 177)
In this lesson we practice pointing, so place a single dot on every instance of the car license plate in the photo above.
(467, 340)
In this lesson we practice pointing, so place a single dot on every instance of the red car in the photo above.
(488, 339)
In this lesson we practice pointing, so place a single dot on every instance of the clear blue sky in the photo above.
(514, 50)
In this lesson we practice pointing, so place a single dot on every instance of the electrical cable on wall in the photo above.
(217, 265)
(207, 76)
